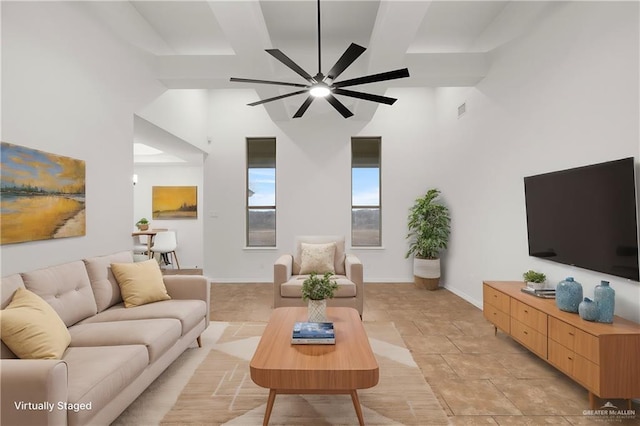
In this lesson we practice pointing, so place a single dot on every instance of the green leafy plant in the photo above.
(532, 276)
(429, 226)
(318, 288)
(142, 221)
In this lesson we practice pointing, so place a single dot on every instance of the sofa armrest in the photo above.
(185, 287)
(282, 269)
(353, 268)
(33, 381)
(281, 274)
(354, 272)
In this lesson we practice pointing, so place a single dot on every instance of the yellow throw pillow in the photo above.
(140, 282)
(317, 258)
(32, 329)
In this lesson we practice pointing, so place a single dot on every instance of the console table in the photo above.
(603, 358)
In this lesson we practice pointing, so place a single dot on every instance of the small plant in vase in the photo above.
(534, 279)
(143, 224)
(316, 290)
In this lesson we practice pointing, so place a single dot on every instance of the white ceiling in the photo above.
(155, 146)
(201, 44)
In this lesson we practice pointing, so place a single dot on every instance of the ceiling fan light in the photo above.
(319, 90)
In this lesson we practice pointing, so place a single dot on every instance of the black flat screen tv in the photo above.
(585, 217)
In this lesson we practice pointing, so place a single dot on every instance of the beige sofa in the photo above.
(115, 352)
(287, 280)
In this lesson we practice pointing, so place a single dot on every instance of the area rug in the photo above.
(212, 386)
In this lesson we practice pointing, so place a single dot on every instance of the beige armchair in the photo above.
(289, 271)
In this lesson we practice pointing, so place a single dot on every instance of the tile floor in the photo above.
(478, 378)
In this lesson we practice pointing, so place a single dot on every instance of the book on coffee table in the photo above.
(313, 333)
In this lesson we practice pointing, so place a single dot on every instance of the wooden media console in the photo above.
(603, 358)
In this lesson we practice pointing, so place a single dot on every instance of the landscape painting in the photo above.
(42, 195)
(175, 202)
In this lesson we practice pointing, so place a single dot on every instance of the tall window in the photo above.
(261, 192)
(365, 192)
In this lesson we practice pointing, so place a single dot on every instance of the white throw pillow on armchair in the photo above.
(317, 258)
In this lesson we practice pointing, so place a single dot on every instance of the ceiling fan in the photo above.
(325, 86)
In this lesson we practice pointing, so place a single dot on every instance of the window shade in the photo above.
(365, 152)
(261, 153)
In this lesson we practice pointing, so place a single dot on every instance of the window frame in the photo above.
(248, 208)
(378, 140)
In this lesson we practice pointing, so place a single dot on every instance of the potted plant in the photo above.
(534, 279)
(429, 226)
(316, 290)
(143, 224)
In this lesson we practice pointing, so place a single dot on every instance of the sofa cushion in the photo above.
(140, 282)
(9, 285)
(293, 287)
(32, 329)
(338, 257)
(158, 335)
(97, 375)
(103, 283)
(317, 258)
(188, 312)
(66, 288)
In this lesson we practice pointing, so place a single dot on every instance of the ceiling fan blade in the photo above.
(276, 53)
(389, 75)
(351, 54)
(339, 106)
(303, 108)
(280, 83)
(365, 96)
(275, 98)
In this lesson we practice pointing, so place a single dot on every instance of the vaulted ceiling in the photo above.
(201, 44)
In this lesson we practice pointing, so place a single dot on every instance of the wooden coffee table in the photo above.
(314, 369)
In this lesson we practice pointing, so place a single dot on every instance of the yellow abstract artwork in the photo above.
(175, 202)
(43, 195)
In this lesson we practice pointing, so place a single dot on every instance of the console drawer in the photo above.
(529, 337)
(497, 317)
(495, 298)
(529, 316)
(561, 357)
(587, 373)
(587, 346)
(562, 333)
(575, 366)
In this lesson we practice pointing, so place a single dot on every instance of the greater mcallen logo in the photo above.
(610, 412)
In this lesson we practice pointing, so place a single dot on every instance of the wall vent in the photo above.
(462, 109)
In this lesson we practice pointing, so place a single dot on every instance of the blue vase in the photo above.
(568, 295)
(588, 310)
(605, 297)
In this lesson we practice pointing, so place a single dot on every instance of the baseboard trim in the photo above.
(465, 296)
(183, 271)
